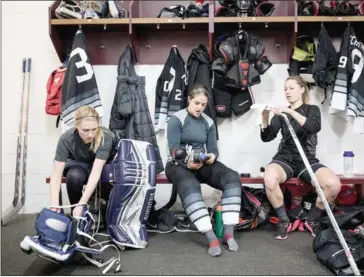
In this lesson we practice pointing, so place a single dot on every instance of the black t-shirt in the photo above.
(307, 134)
(71, 147)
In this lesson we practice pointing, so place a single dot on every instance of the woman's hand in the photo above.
(212, 158)
(280, 110)
(194, 166)
(57, 210)
(77, 211)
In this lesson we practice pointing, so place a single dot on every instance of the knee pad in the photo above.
(232, 179)
(133, 176)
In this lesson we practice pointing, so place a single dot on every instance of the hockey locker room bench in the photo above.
(357, 180)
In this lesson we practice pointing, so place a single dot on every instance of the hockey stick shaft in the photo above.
(320, 193)
(14, 208)
(25, 148)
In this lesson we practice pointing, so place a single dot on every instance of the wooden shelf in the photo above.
(205, 20)
(152, 37)
(100, 21)
(253, 19)
(320, 19)
(151, 20)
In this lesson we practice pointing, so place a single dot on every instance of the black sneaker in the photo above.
(186, 226)
(163, 223)
(282, 231)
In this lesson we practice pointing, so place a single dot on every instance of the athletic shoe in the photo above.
(282, 230)
(312, 227)
(185, 226)
(162, 221)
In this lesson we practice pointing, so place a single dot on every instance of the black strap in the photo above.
(58, 119)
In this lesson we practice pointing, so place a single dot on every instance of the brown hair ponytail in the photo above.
(302, 83)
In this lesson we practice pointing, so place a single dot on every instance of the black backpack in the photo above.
(331, 254)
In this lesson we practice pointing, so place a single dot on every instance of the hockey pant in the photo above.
(132, 174)
(228, 100)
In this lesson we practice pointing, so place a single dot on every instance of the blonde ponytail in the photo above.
(99, 140)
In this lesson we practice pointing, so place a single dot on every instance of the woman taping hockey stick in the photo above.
(191, 128)
(80, 156)
(288, 163)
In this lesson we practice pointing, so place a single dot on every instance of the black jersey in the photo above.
(307, 134)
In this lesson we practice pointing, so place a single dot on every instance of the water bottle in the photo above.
(348, 163)
(219, 225)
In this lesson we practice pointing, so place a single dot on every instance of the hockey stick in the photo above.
(25, 152)
(315, 182)
(18, 202)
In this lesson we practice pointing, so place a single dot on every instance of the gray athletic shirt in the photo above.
(184, 129)
(71, 147)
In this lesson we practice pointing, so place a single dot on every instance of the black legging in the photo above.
(218, 176)
(76, 178)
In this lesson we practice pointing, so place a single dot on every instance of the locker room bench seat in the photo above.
(357, 180)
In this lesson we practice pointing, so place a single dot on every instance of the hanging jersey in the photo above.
(341, 83)
(356, 90)
(170, 89)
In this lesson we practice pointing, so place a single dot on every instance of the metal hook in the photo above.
(80, 26)
(183, 26)
(348, 24)
(240, 25)
(105, 26)
(157, 26)
(322, 24)
(266, 25)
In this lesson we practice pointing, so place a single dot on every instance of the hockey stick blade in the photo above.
(10, 212)
(320, 193)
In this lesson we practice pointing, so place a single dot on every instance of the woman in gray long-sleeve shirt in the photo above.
(191, 127)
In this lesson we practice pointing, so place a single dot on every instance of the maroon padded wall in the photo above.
(155, 46)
